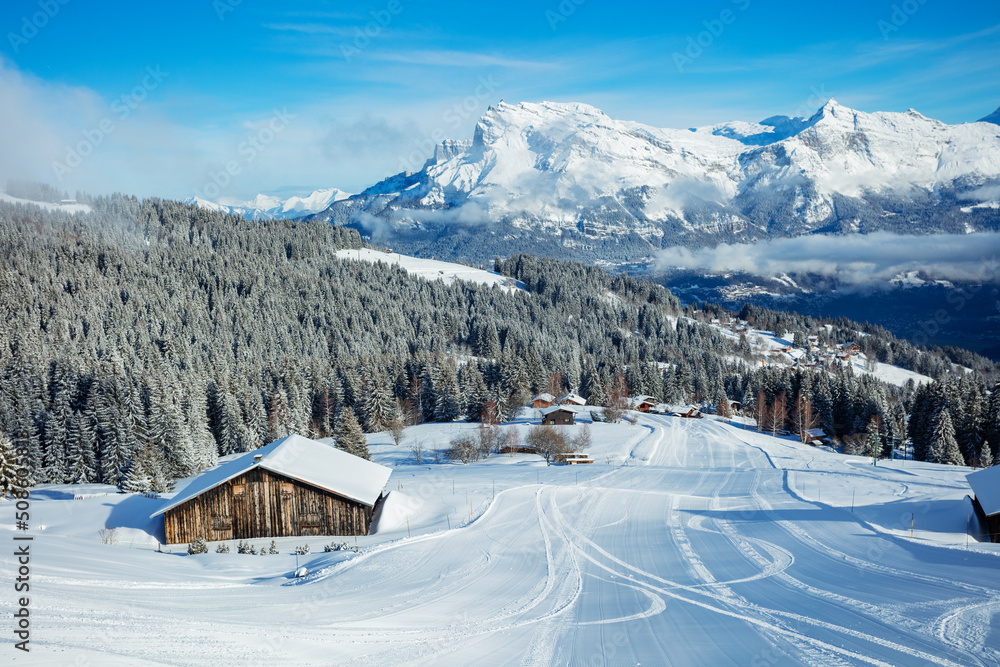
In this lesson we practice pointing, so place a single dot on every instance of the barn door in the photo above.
(311, 514)
(222, 518)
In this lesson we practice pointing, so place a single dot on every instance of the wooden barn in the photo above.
(559, 415)
(986, 486)
(293, 486)
(572, 399)
(643, 403)
(543, 400)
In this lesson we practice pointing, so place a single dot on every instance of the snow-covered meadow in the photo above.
(686, 542)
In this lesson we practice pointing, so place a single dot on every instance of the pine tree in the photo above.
(348, 435)
(82, 467)
(944, 447)
(985, 455)
(378, 406)
(11, 484)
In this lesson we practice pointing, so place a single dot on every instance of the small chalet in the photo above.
(544, 400)
(293, 486)
(572, 399)
(815, 437)
(559, 415)
(850, 348)
(986, 501)
(643, 403)
(690, 413)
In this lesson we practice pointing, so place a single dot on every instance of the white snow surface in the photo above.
(48, 206)
(316, 463)
(986, 484)
(431, 269)
(269, 206)
(688, 541)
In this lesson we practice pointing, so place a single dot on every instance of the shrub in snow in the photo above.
(244, 547)
(463, 448)
(418, 452)
(223, 548)
(596, 416)
(273, 549)
(547, 441)
(302, 550)
(198, 546)
(336, 546)
(108, 535)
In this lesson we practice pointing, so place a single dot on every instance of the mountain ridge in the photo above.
(584, 185)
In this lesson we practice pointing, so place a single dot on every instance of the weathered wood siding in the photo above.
(558, 418)
(260, 503)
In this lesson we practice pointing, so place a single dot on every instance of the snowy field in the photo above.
(686, 542)
(431, 269)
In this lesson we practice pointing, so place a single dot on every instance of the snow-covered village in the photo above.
(568, 333)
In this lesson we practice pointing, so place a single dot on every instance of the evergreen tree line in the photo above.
(145, 339)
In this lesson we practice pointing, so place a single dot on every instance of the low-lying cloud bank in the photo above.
(854, 259)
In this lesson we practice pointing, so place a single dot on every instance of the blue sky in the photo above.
(165, 96)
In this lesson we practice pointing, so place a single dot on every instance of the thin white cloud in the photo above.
(853, 259)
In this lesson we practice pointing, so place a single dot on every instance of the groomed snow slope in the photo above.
(431, 269)
(687, 542)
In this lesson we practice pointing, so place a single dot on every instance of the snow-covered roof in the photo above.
(549, 398)
(557, 408)
(639, 400)
(986, 484)
(573, 398)
(314, 463)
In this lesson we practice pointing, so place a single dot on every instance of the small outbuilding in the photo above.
(559, 415)
(291, 487)
(572, 399)
(986, 501)
(643, 403)
(543, 400)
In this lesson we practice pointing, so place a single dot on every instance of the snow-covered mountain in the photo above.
(268, 206)
(581, 183)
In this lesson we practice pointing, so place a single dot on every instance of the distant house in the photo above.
(986, 501)
(293, 486)
(643, 403)
(850, 348)
(572, 399)
(544, 400)
(559, 415)
(690, 413)
(815, 437)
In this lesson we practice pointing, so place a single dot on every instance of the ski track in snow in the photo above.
(701, 549)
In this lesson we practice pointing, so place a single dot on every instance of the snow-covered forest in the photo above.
(145, 339)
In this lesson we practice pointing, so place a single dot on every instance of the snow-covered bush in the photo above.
(198, 546)
(273, 549)
(108, 535)
(244, 547)
(336, 546)
(222, 548)
(302, 550)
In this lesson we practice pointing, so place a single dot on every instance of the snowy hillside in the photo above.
(686, 542)
(268, 206)
(48, 206)
(430, 269)
(572, 173)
